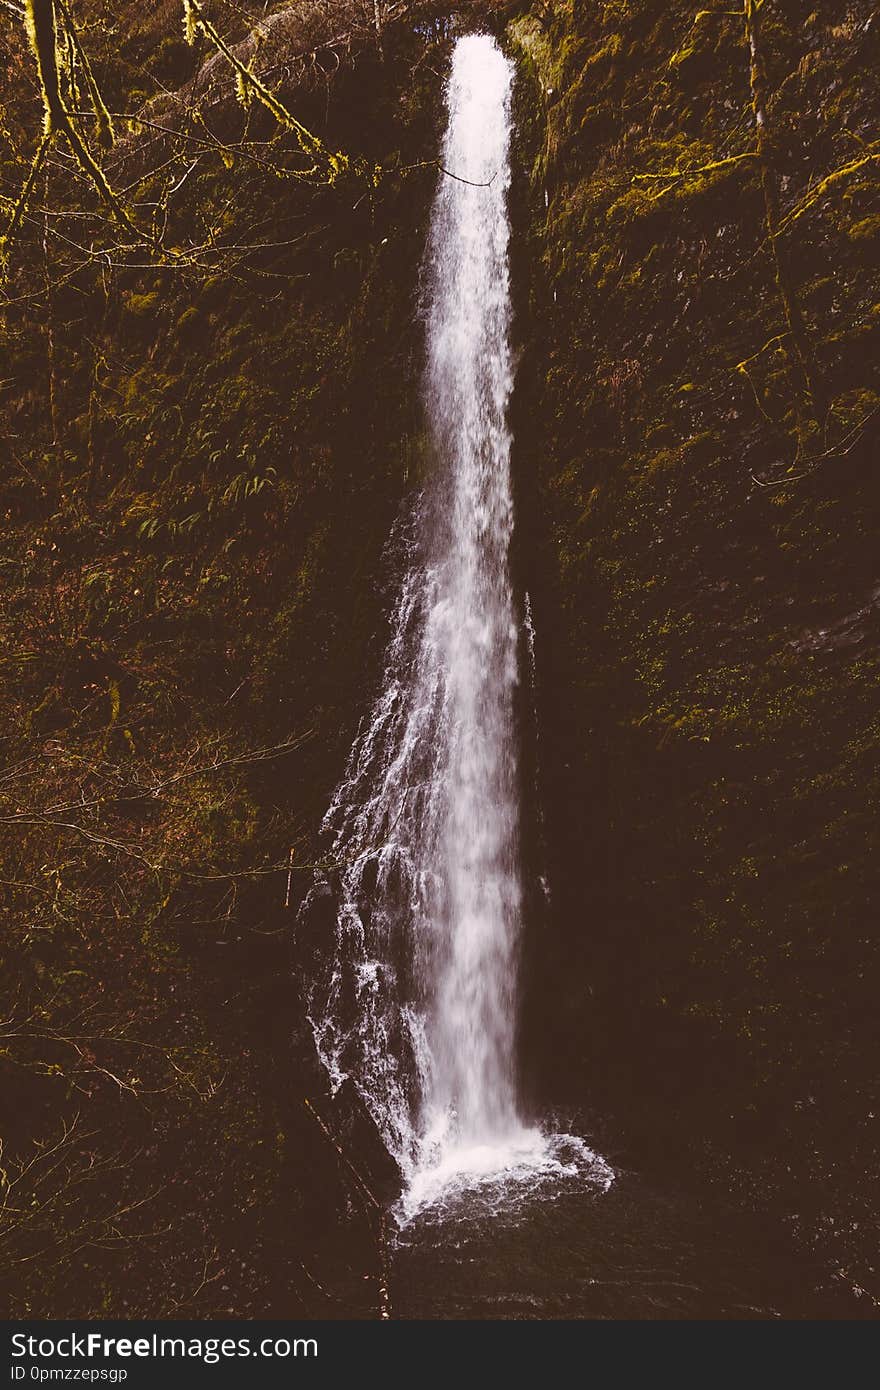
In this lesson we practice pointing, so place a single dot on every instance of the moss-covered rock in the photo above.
(704, 581)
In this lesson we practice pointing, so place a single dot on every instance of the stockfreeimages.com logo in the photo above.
(95, 1345)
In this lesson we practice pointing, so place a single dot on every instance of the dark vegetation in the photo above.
(210, 419)
(702, 357)
(203, 457)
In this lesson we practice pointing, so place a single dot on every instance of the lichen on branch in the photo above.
(41, 21)
(327, 164)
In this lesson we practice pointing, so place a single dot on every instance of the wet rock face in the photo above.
(859, 629)
(348, 1139)
(360, 1138)
(700, 543)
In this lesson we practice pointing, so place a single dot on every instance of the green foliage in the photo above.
(188, 624)
(706, 609)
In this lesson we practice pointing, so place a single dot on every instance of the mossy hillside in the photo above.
(709, 638)
(193, 583)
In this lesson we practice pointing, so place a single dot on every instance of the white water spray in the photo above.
(418, 1005)
(469, 379)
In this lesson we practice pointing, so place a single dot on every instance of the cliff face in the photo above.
(697, 434)
(205, 461)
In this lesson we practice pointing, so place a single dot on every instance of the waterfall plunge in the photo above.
(473, 629)
(417, 1003)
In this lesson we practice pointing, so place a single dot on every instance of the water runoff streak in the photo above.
(417, 1000)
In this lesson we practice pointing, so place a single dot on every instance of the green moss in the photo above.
(712, 675)
(188, 319)
(865, 229)
(142, 305)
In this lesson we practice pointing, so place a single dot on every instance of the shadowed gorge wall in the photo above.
(201, 473)
(705, 586)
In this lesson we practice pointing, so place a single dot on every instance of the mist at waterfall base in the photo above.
(414, 1000)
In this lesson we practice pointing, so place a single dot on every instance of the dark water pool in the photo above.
(576, 1251)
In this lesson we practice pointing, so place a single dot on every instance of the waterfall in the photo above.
(472, 971)
(418, 997)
